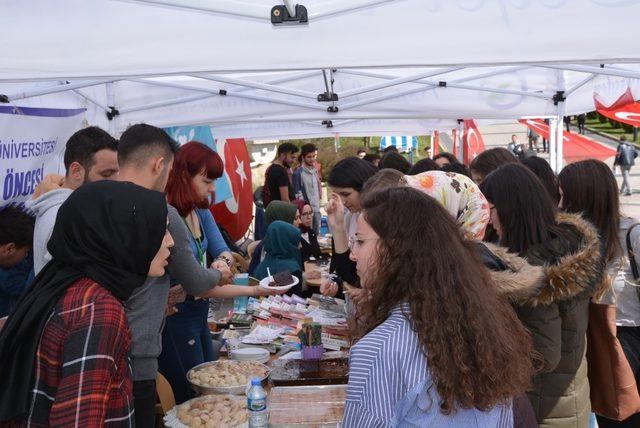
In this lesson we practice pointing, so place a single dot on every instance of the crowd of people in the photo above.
(468, 302)
(550, 250)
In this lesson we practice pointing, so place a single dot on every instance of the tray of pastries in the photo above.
(226, 377)
(209, 411)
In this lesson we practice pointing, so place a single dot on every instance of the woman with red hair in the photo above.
(186, 340)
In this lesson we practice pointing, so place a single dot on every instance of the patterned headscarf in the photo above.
(459, 195)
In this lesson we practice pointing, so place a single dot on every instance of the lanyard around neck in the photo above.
(200, 257)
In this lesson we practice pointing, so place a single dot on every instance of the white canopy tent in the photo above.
(223, 63)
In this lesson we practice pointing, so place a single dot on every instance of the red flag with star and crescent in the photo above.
(625, 109)
(472, 141)
(236, 212)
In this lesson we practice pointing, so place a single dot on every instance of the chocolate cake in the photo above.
(281, 279)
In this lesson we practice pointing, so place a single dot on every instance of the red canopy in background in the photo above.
(235, 213)
(472, 141)
(576, 147)
(625, 109)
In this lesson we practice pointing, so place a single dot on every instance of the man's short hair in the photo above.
(361, 151)
(287, 148)
(85, 143)
(371, 157)
(141, 142)
(16, 226)
(390, 149)
(308, 148)
(623, 138)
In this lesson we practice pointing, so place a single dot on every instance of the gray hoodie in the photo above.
(45, 208)
(145, 308)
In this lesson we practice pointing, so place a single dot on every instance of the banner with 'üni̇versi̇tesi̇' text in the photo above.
(32, 142)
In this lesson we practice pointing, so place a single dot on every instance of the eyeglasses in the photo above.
(355, 243)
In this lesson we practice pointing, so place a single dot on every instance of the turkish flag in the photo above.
(236, 211)
(575, 147)
(625, 109)
(539, 126)
(472, 141)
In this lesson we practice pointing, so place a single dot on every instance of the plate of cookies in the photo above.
(226, 376)
(209, 411)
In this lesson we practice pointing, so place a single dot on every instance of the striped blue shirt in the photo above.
(390, 384)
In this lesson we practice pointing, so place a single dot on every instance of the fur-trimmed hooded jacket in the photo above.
(550, 288)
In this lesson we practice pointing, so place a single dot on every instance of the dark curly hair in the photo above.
(477, 350)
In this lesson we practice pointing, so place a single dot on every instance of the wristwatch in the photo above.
(225, 259)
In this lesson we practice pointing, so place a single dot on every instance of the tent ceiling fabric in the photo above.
(67, 39)
(183, 62)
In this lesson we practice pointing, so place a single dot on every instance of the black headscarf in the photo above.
(108, 231)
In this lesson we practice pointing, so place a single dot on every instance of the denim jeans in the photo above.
(186, 342)
(625, 180)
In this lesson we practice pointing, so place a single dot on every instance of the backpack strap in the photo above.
(632, 257)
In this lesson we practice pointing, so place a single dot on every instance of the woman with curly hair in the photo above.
(438, 346)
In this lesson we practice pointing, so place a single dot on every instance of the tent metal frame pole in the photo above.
(553, 135)
(232, 94)
(286, 79)
(394, 82)
(560, 110)
(225, 7)
(176, 86)
(208, 94)
(460, 80)
(289, 78)
(248, 10)
(336, 7)
(497, 91)
(91, 100)
(339, 123)
(595, 70)
(446, 123)
(435, 85)
(58, 88)
(256, 85)
(372, 100)
(111, 102)
(579, 85)
(291, 7)
(277, 101)
(166, 103)
(313, 123)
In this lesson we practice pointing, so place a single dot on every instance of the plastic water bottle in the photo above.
(240, 303)
(324, 225)
(257, 405)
